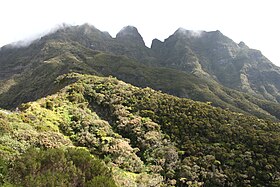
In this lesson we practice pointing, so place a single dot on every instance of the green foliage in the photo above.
(101, 181)
(3, 170)
(58, 167)
(222, 147)
(175, 69)
(148, 138)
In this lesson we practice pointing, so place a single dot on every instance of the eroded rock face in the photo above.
(130, 34)
(218, 57)
(204, 66)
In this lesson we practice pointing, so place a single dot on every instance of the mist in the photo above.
(191, 33)
(25, 42)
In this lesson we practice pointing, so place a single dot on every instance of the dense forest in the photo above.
(100, 131)
(81, 108)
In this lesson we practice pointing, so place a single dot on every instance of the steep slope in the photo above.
(58, 123)
(147, 137)
(28, 73)
(216, 56)
(128, 41)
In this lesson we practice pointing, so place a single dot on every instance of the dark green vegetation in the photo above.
(83, 128)
(58, 167)
(209, 68)
(146, 137)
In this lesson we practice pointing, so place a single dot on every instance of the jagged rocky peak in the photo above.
(78, 28)
(130, 33)
(200, 34)
(89, 29)
(217, 35)
(156, 43)
(218, 39)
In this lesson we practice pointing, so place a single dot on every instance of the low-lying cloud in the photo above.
(191, 33)
(30, 39)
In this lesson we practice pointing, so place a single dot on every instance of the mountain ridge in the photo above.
(178, 57)
(146, 137)
(87, 109)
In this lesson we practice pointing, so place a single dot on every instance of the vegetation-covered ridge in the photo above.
(207, 68)
(134, 137)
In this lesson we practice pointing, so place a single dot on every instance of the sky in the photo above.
(255, 22)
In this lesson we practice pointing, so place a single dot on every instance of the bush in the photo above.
(101, 181)
(58, 167)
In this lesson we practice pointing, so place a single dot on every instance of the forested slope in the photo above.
(134, 136)
(182, 65)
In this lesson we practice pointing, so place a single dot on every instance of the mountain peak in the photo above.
(130, 33)
(128, 30)
(156, 43)
(189, 33)
(89, 29)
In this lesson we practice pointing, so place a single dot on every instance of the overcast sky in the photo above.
(256, 22)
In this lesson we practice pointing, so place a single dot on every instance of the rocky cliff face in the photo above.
(214, 55)
(204, 66)
(145, 137)
(130, 34)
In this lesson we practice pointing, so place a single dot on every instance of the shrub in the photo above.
(58, 167)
